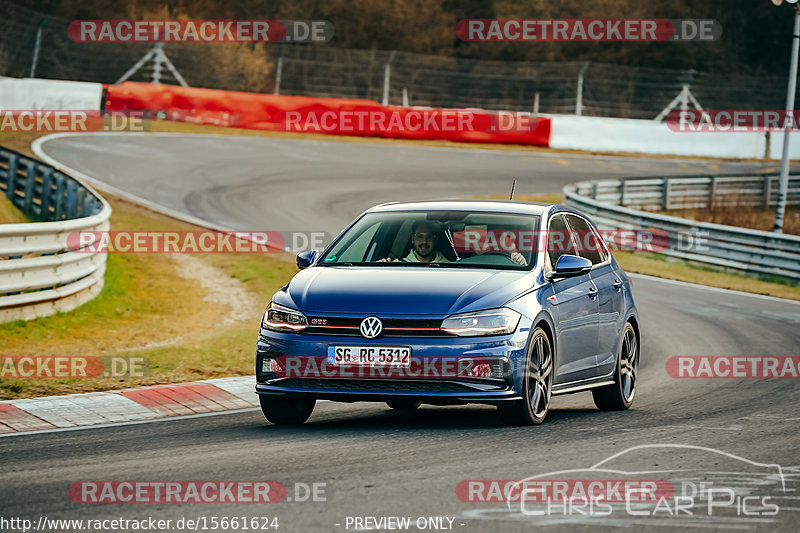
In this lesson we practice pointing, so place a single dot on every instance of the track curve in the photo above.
(379, 462)
(264, 183)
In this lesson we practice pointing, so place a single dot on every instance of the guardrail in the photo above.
(39, 275)
(617, 204)
(692, 191)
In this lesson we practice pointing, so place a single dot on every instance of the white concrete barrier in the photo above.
(776, 145)
(35, 94)
(602, 134)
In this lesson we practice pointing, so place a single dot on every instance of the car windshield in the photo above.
(449, 239)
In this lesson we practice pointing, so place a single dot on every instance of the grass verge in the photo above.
(9, 214)
(149, 308)
(743, 217)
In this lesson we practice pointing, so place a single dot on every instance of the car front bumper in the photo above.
(506, 352)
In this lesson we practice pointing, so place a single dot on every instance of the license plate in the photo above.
(370, 355)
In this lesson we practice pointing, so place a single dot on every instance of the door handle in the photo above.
(618, 284)
(593, 293)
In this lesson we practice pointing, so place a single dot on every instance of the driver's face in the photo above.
(423, 241)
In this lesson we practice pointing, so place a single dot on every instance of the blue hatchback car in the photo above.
(452, 302)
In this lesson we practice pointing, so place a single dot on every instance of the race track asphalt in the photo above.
(259, 183)
(377, 462)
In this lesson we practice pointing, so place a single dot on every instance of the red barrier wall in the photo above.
(336, 116)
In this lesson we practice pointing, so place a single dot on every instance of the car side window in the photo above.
(589, 245)
(559, 240)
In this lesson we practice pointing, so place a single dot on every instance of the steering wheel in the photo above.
(476, 258)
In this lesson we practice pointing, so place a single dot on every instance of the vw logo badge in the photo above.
(371, 327)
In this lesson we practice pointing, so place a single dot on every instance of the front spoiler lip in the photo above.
(381, 396)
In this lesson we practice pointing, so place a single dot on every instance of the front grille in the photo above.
(392, 327)
(356, 385)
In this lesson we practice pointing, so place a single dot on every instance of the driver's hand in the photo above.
(519, 259)
(385, 260)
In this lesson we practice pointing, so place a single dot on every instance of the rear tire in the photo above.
(537, 385)
(288, 411)
(403, 405)
(619, 396)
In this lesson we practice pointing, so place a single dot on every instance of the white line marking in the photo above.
(704, 428)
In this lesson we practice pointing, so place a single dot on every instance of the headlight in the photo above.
(490, 322)
(280, 318)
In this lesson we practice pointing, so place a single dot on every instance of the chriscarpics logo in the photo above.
(668, 484)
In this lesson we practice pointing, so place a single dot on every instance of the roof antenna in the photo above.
(511, 197)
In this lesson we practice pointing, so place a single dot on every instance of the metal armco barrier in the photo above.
(39, 276)
(617, 204)
(691, 192)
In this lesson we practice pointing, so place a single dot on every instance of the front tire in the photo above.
(619, 396)
(537, 385)
(286, 411)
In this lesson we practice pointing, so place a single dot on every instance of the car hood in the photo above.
(402, 290)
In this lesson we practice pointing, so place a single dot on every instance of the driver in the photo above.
(423, 245)
(515, 256)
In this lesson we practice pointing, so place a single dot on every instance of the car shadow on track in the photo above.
(427, 417)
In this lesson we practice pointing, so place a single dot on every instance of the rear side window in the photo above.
(559, 240)
(589, 244)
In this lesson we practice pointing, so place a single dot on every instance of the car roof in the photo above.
(491, 206)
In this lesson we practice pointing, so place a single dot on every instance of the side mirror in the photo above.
(569, 266)
(306, 259)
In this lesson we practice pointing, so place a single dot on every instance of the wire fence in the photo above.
(33, 45)
(588, 88)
